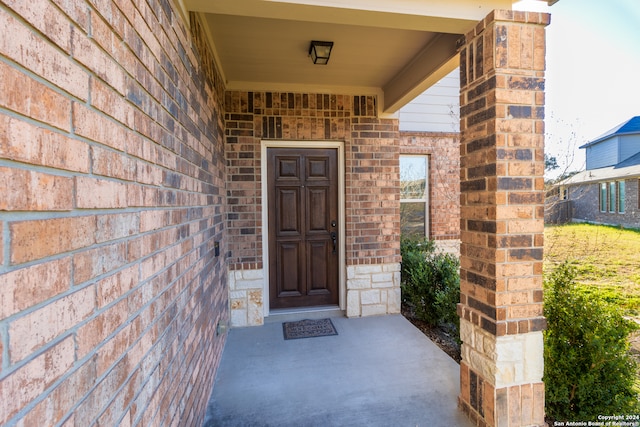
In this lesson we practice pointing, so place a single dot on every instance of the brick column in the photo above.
(502, 219)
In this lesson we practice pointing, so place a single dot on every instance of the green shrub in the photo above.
(430, 283)
(588, 370)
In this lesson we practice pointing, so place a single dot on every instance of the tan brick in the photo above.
(524, 283)
(98, 127)
(527, 48)
(101, 395)
(511, 298)
(525, 311)
(33, 52)
(96, 330)
(514, 46)
(44, 16)
(29, 332)
(526, 404)
(24, 95)
(27, 143)
(148, 174)
(113, 349)
(61, 399)
(539, 49)
(116, 226)
(113, 164)
(538, 404)
(152, 220)
(110, 102)
(514, 410)
(34, 191)
(514, 212)
(36, 239)
(94, 193)
(521, 97)
(526, 226)
(95, 262)
(25, 287)
(85, 51)
(1, 243)
(28, 382)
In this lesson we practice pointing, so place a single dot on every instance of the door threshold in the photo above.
(294, 314)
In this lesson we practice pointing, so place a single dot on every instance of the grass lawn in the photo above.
(607, 260)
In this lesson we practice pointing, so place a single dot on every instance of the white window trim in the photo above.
(427, 159)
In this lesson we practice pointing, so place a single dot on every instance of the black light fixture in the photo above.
(320, 51)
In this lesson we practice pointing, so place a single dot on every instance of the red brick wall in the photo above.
(443, 150)
(371, 161)
(502, 167)
(112, 184)
(502, 219)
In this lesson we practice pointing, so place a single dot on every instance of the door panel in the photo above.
(317, 261)
(288, 205)
(317, 215)
(289, 277)
(303, 214)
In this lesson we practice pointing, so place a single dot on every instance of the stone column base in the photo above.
(373, 290)
(245, 297)
(501, 377)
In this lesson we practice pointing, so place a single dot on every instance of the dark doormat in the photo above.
(308, 329)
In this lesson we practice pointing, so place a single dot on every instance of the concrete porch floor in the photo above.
(378, 371)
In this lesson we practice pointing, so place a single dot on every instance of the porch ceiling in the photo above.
(393, 49)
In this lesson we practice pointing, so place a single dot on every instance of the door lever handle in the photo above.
(334, 237)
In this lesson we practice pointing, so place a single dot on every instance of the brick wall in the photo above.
(372, 191)
(585, 205)
(502, 219)
(443, 150)
(371, 161)
(112, 181)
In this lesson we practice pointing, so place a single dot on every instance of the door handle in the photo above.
(334, 237)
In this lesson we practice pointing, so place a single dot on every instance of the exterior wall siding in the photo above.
(372, 184)
(629, 146)
(603, 154)
(112, 175)
(436, 109)
(443, 150)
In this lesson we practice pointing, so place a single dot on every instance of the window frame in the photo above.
(612, 196)
(425, 197)
(563, 192)
(621, 199)
(604, 196)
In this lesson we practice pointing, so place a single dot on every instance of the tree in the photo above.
(550, 163)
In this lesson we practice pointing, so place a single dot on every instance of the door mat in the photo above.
(308, 329)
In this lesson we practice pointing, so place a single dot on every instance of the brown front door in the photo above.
(303, 227)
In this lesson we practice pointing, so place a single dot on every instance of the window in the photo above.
(563, 193)
(414, 208)
(621, 187)
(603, 197)
(612, 197)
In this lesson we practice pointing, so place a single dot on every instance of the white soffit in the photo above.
(394, 49)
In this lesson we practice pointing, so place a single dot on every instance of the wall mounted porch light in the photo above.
(320, 51)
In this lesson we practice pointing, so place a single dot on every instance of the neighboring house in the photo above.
(607, 191)
(170, 167)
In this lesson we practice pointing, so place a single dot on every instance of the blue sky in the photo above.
(593, 72)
